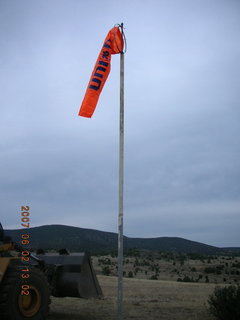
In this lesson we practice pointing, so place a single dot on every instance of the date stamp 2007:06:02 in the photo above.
(25, 241)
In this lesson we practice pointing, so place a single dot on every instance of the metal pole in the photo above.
(120, 201)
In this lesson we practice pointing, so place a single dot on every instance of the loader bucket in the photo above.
(74, 275)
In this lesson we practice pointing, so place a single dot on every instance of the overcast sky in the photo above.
(182, 133)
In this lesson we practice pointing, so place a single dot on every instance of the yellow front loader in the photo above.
(26, 287)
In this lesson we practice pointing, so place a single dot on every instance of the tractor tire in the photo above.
(14, 304)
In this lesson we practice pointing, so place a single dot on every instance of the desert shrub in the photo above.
(105, 261)
(106, 271)
(209, 270)
(195, 256)
(185, 279)
(188, 279)
(136, 263)
(236, 265)
(130, 274)
(224, 303)
(136, 270)
(220, 267)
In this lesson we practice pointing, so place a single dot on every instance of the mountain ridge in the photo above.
(81, 239)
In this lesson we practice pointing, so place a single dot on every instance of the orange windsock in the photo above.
(113, 44)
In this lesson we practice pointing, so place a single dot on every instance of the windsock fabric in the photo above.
(113, 44)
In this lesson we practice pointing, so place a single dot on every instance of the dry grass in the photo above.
(143, 299)
(164, 299)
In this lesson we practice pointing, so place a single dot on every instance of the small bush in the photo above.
(185, 279)
(209, 270)
(106, 271)
(224, 303)
(130, 274)
(236, 265)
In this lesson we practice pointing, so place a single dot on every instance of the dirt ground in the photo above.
(143, 299)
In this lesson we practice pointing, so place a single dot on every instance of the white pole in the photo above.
(120, 201)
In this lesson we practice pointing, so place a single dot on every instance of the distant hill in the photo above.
(234, 250)
(79, 239)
